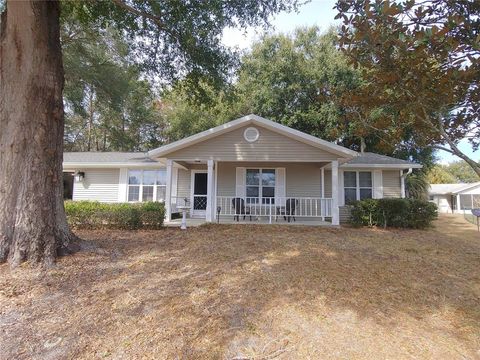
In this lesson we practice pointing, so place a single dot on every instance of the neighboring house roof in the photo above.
(444, 189)
(106, 159)
(253, 119)
(369, 159)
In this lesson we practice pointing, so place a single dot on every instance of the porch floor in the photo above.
(260, 221)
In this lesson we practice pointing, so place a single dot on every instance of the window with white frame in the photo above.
(260, 184)
(357, 185)
(147, 185)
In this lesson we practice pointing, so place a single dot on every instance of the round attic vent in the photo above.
(251, 134)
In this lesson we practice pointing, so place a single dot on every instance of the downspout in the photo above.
(402, 179)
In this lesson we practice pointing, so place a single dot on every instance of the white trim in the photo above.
(402, 185)
(257, 135)
(469, 187)
(123, 185)
(252, 119)
(335, 194)
(210, 191)
(377, 184)
(215, 169)
(87, 165)
(382, 166)
(168, 192)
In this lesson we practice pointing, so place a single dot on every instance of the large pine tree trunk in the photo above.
(32, 217)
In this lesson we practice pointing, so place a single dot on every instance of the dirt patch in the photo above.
(246, 291)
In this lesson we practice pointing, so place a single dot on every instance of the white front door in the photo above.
(199, 193)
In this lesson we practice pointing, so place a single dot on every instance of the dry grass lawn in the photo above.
(251, 292)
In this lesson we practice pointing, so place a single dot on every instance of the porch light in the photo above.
(79, 176)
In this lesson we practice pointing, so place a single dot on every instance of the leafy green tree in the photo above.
(420, 63)
(296, 80)
(108, 105)
(299, 80)
(440, 174)
(174, 39)
(462, 171)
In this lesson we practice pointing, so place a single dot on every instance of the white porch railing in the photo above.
(274, 208)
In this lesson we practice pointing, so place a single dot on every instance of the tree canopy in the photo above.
(172, 39)
(108, 104)
(420, 65)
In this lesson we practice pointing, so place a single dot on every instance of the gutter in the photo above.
(403, 175)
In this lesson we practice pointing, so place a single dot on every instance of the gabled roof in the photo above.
(247, 120)
(106, 159)
(444, 189)
(367, 159)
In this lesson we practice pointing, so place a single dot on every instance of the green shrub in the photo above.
(123, 216)
(393, 212)
(152, 215)
(365, 212)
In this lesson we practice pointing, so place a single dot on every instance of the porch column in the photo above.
(210, 192)
(458, 205)
(322, 202)
(335, 194)
(402, 184)
(168, 191)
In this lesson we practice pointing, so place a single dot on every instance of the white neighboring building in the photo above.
(455, 198)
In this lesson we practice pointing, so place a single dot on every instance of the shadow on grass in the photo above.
(192, 294)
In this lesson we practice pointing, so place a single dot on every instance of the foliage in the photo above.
(454, 172)
(417, 185)
(394, 212)
(420, 65)
(462, 171)
(123, 216)
(107, 105)
(177, 39)
(298, 80)
(439, 174)
(186, 115)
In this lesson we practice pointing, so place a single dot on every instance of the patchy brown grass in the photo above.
(251, 292)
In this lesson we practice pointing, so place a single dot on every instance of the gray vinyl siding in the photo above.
(183, 183)
(328, 183)
(98, 185)
(345, 214)
(391, 184)
(270, 146)
(302, 180)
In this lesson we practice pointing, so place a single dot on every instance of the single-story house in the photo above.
(455, 198)
(250, 167)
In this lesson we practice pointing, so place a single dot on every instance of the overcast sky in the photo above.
(320, 13)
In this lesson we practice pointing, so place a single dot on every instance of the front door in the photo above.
(199, 194)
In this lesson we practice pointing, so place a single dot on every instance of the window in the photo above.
(147, 185)
(260, 185)
(469, 201)
(357, 185)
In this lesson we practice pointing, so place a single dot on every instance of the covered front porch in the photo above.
(265, 192)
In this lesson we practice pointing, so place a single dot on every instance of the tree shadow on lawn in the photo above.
(222, 291)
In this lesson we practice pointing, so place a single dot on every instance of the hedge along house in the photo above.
(251, 167)
(455, 198)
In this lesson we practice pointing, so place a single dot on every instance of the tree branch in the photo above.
(455, 150)
(143, 14)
